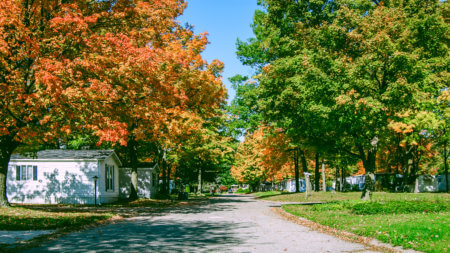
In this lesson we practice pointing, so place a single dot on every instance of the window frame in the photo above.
(109, 178)
(26, 172)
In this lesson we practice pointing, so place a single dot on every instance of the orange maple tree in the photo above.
(124, 69)
(263, 155)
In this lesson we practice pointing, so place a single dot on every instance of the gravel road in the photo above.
(229, 223)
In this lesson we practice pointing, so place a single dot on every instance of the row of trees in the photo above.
(121, 73)
(346, 81)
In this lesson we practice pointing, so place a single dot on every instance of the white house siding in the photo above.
(147, 187)
(428, 183)
(57, 182)
(103, 195)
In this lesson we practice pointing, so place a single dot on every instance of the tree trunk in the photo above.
(296, 170)
(316, 174)
(369, 166)
(7, 146)
(324, 185)
(133, 162)
(445, 166)
(308, 185)
(164, 177)
(304, 163)
(342, 178)
(168, 178)
(416, 185)
(336, 178)
(199, 189)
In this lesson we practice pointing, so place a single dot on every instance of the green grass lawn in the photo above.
(23, 218)
(42, 217)
(330, 197)
(268, 194)
(417, 221)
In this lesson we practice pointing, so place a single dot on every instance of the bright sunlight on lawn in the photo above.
(329, 196)
(417, 221)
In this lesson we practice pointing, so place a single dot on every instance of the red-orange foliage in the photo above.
(120, 68)
(263, 155)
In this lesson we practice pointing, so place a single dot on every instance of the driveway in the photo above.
(230, 223)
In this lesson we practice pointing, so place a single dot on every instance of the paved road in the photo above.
(228, 224)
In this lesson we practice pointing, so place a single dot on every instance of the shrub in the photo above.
(223, 188)
(243, 191)
(397, 207)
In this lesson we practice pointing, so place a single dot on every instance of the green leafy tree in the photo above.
(341, 73)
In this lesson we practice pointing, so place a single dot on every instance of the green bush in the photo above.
(398, 207)
(328, 207)
(243, 191)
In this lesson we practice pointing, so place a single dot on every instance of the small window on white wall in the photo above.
(26, 172)
(153, 179)
(109, 177)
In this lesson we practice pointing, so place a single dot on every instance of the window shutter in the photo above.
(106, 178)
(18, 173)
(113, 180)
(35, 177)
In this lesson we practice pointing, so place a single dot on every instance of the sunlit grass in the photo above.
(423, 228)
(330, 196)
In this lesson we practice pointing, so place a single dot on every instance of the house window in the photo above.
(153, 179)
(26, 172)
(109, 177)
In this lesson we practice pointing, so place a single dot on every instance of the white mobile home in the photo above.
(147, 180)
(64, 176)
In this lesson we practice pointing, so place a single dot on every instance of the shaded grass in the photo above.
(417, 227)
(21, 218)
(44, 217)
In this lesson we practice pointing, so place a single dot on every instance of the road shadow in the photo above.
(213, 204)
(147, 235)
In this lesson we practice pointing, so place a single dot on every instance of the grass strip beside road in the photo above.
(338, 196)
(22, 218)
(421, 227)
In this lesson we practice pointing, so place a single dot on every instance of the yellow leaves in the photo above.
(404, 114)
(263, 154)
(401, 128)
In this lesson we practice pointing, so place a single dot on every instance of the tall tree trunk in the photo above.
(324, 185)
(316, 174)
(296, 170)
(164, 174)
(168, 178)
(336, 178)
(7, 146)
(200, 186)
(305, 170)
(132, 149)
(369, 166)
(304, 163)
(445, 166)
(416, 161)
(342, 178)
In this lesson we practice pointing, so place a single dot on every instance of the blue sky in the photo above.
(225, 21)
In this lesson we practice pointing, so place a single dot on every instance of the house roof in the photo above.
(141, 165)
(57, 154)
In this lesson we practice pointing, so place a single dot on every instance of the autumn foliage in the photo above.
(264, 155)
(125, 70)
